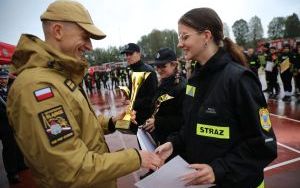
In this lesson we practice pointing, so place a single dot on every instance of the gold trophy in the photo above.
(158, 102)
(137, 79)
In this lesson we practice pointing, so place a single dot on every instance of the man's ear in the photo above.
(57, 31)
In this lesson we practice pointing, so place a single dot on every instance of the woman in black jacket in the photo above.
(227, 135)
(169, 96)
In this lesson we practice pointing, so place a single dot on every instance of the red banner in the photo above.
(6, 52)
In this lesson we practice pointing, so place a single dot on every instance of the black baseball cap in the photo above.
(3, 73)
(130, 48)
(164, 55)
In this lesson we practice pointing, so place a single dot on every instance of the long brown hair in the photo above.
(202, 19)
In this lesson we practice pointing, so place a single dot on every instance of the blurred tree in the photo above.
(240, 30)
(226, 30)
(256, 31)
(276, 28)
(157, 39)
(292, 26)
(99, 56)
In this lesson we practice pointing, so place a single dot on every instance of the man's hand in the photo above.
(150, 160)
(150, 125)
(164, 151)
(122, 114)
(203, 175)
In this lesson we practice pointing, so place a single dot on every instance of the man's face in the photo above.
(250, 51)
(3, 82)
(75, 41)
(132, 58)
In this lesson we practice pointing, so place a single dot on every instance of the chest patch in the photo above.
(56, 125)
(213, 131)
(43, 94)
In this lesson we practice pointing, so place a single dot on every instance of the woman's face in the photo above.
(166, 70)
(192, 42)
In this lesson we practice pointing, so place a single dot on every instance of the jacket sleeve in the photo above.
(258, 143)
(107, 124)
(70, 162)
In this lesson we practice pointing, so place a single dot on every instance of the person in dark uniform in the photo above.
(168, 118)
(227, 134)
(97, 80)
(266, 53)
(296, 64)
(286, 72)
(12, 157)
(143, 103)
(272, 61)
(253, 61)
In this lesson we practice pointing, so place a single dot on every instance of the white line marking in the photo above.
(282, 164)
(284, 117)
(288, 147)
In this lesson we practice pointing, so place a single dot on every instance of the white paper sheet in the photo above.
(269, 66)
(168, 176)
(145, 140)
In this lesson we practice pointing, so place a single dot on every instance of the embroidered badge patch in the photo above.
(56, 125)
(43, 94)
(265, 119)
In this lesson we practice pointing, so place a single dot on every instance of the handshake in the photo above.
(154, 160)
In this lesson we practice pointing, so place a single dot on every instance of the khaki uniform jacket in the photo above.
(55, 125)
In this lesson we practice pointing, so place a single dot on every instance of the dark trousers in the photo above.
(273, 83)
(286, 78)
(13, 159)
(297, 81)
(268, 78)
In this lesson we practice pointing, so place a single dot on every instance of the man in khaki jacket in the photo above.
(54, 123)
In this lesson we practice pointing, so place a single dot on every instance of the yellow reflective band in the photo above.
(262, 185)
(213, 131)
(252, 63)
(190, 90)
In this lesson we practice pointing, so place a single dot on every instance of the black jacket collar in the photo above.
(218, 61)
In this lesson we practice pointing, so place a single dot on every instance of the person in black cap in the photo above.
(168, 119)
(12, 157)
(143, 103)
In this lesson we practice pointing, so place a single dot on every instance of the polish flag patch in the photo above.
(43, 94)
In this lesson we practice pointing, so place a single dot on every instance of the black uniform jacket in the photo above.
(5, 129)
(227, 123)
(143, 103)
(169, 118)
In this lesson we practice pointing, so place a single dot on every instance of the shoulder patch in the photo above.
(56, 125)
(265, 121)
(70, 84)
(43, 94)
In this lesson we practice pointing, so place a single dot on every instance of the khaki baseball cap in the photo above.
(72, 11)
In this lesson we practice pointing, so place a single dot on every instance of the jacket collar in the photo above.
(32, 52)
(218, 61)
(136, 65)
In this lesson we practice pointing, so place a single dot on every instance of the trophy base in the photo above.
(122, 124)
